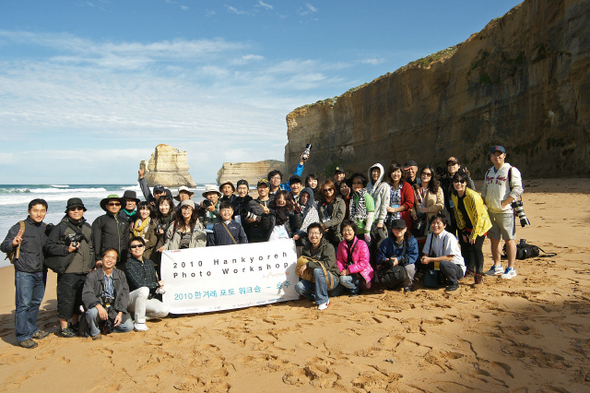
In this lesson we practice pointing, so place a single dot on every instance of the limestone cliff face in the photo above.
(522, 82)
(251, 171)
(168, 167)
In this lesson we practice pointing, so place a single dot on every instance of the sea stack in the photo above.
(168, 167)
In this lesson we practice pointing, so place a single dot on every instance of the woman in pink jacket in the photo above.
(353, 260)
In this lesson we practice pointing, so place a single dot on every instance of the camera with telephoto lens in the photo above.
(518, 207)
(74, 239)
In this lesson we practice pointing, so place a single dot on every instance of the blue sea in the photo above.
(15, 198)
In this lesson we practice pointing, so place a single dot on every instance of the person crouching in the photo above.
(106, 296)
(144, 286)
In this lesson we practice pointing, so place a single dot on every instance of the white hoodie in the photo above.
(380, 192)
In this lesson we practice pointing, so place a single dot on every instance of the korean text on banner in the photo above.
(218, 278)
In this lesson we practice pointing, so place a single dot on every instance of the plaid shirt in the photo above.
(141, 274)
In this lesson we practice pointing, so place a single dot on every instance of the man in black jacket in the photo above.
(111, 230)
(28, 271)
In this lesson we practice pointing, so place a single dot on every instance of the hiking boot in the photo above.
(469, 273)
(323, 306)
(40, 335)
(28, 343)
(75, 327)
(509, 273)
(477, 279)
(67, 332)
(495, 270)
(452, 287)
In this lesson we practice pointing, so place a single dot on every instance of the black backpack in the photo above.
(525, 251)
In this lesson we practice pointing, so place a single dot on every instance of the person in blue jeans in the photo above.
(320, 252)
(29, 274)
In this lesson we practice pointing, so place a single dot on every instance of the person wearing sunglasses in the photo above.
(429, 198)
(70, 242)
(473, 223)
(111, 230)
(145, 289)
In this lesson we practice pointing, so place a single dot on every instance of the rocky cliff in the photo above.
(523, 82)
(251, 171)
(168, 167)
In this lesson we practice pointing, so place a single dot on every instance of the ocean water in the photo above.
(15, 198)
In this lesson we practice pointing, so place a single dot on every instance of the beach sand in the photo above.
(528, 334)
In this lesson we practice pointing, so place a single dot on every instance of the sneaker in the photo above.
(477, 279)
(40, 335)
(353, 294)
(452, 287)
(509, 273)
(75, 327)
(97, 337)
(67, 332)
(407, 289)
(323, 306)
(141, 327)
(495, 270)
(469, 273)
(28, 343)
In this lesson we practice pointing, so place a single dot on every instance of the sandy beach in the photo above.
(528, 334)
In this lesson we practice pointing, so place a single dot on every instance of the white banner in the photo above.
(218, 278)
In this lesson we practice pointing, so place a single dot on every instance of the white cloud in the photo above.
(247, 59)
(209, 13)
(373, 61)
(184, 7)
(236, 11)
(308, 9)
(264, 5)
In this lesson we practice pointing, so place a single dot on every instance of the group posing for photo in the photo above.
(388, 230)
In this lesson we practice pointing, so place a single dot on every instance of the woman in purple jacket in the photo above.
(353, 260)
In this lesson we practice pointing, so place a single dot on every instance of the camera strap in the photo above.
(77, 230)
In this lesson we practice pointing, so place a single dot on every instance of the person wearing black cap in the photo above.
(401, 248)
(339, 176)
(159, 190)
(71, 242)
(129, 206)
(111, 230)
(501, 187)
(411, 170)
(296, 186)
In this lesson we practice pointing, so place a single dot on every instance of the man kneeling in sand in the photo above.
(144, 286)
(105, 296)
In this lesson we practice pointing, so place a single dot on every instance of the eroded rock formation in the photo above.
(168, 167)
(251, 171)
(523, 82)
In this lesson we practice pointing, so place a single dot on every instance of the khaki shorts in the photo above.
(503, 226)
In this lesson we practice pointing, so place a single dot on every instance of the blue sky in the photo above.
(89, 88)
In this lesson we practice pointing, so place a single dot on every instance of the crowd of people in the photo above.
(390, 228)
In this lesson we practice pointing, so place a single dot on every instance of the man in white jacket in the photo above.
(501, 187)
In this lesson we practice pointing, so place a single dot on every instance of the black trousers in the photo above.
(473, 254)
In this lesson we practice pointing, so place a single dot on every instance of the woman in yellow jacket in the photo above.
(473, 223)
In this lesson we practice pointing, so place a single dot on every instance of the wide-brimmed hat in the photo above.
(75, 202)
(209, 189)
(103, 203)
(227, 182)
(185, 189)
(129, 194)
